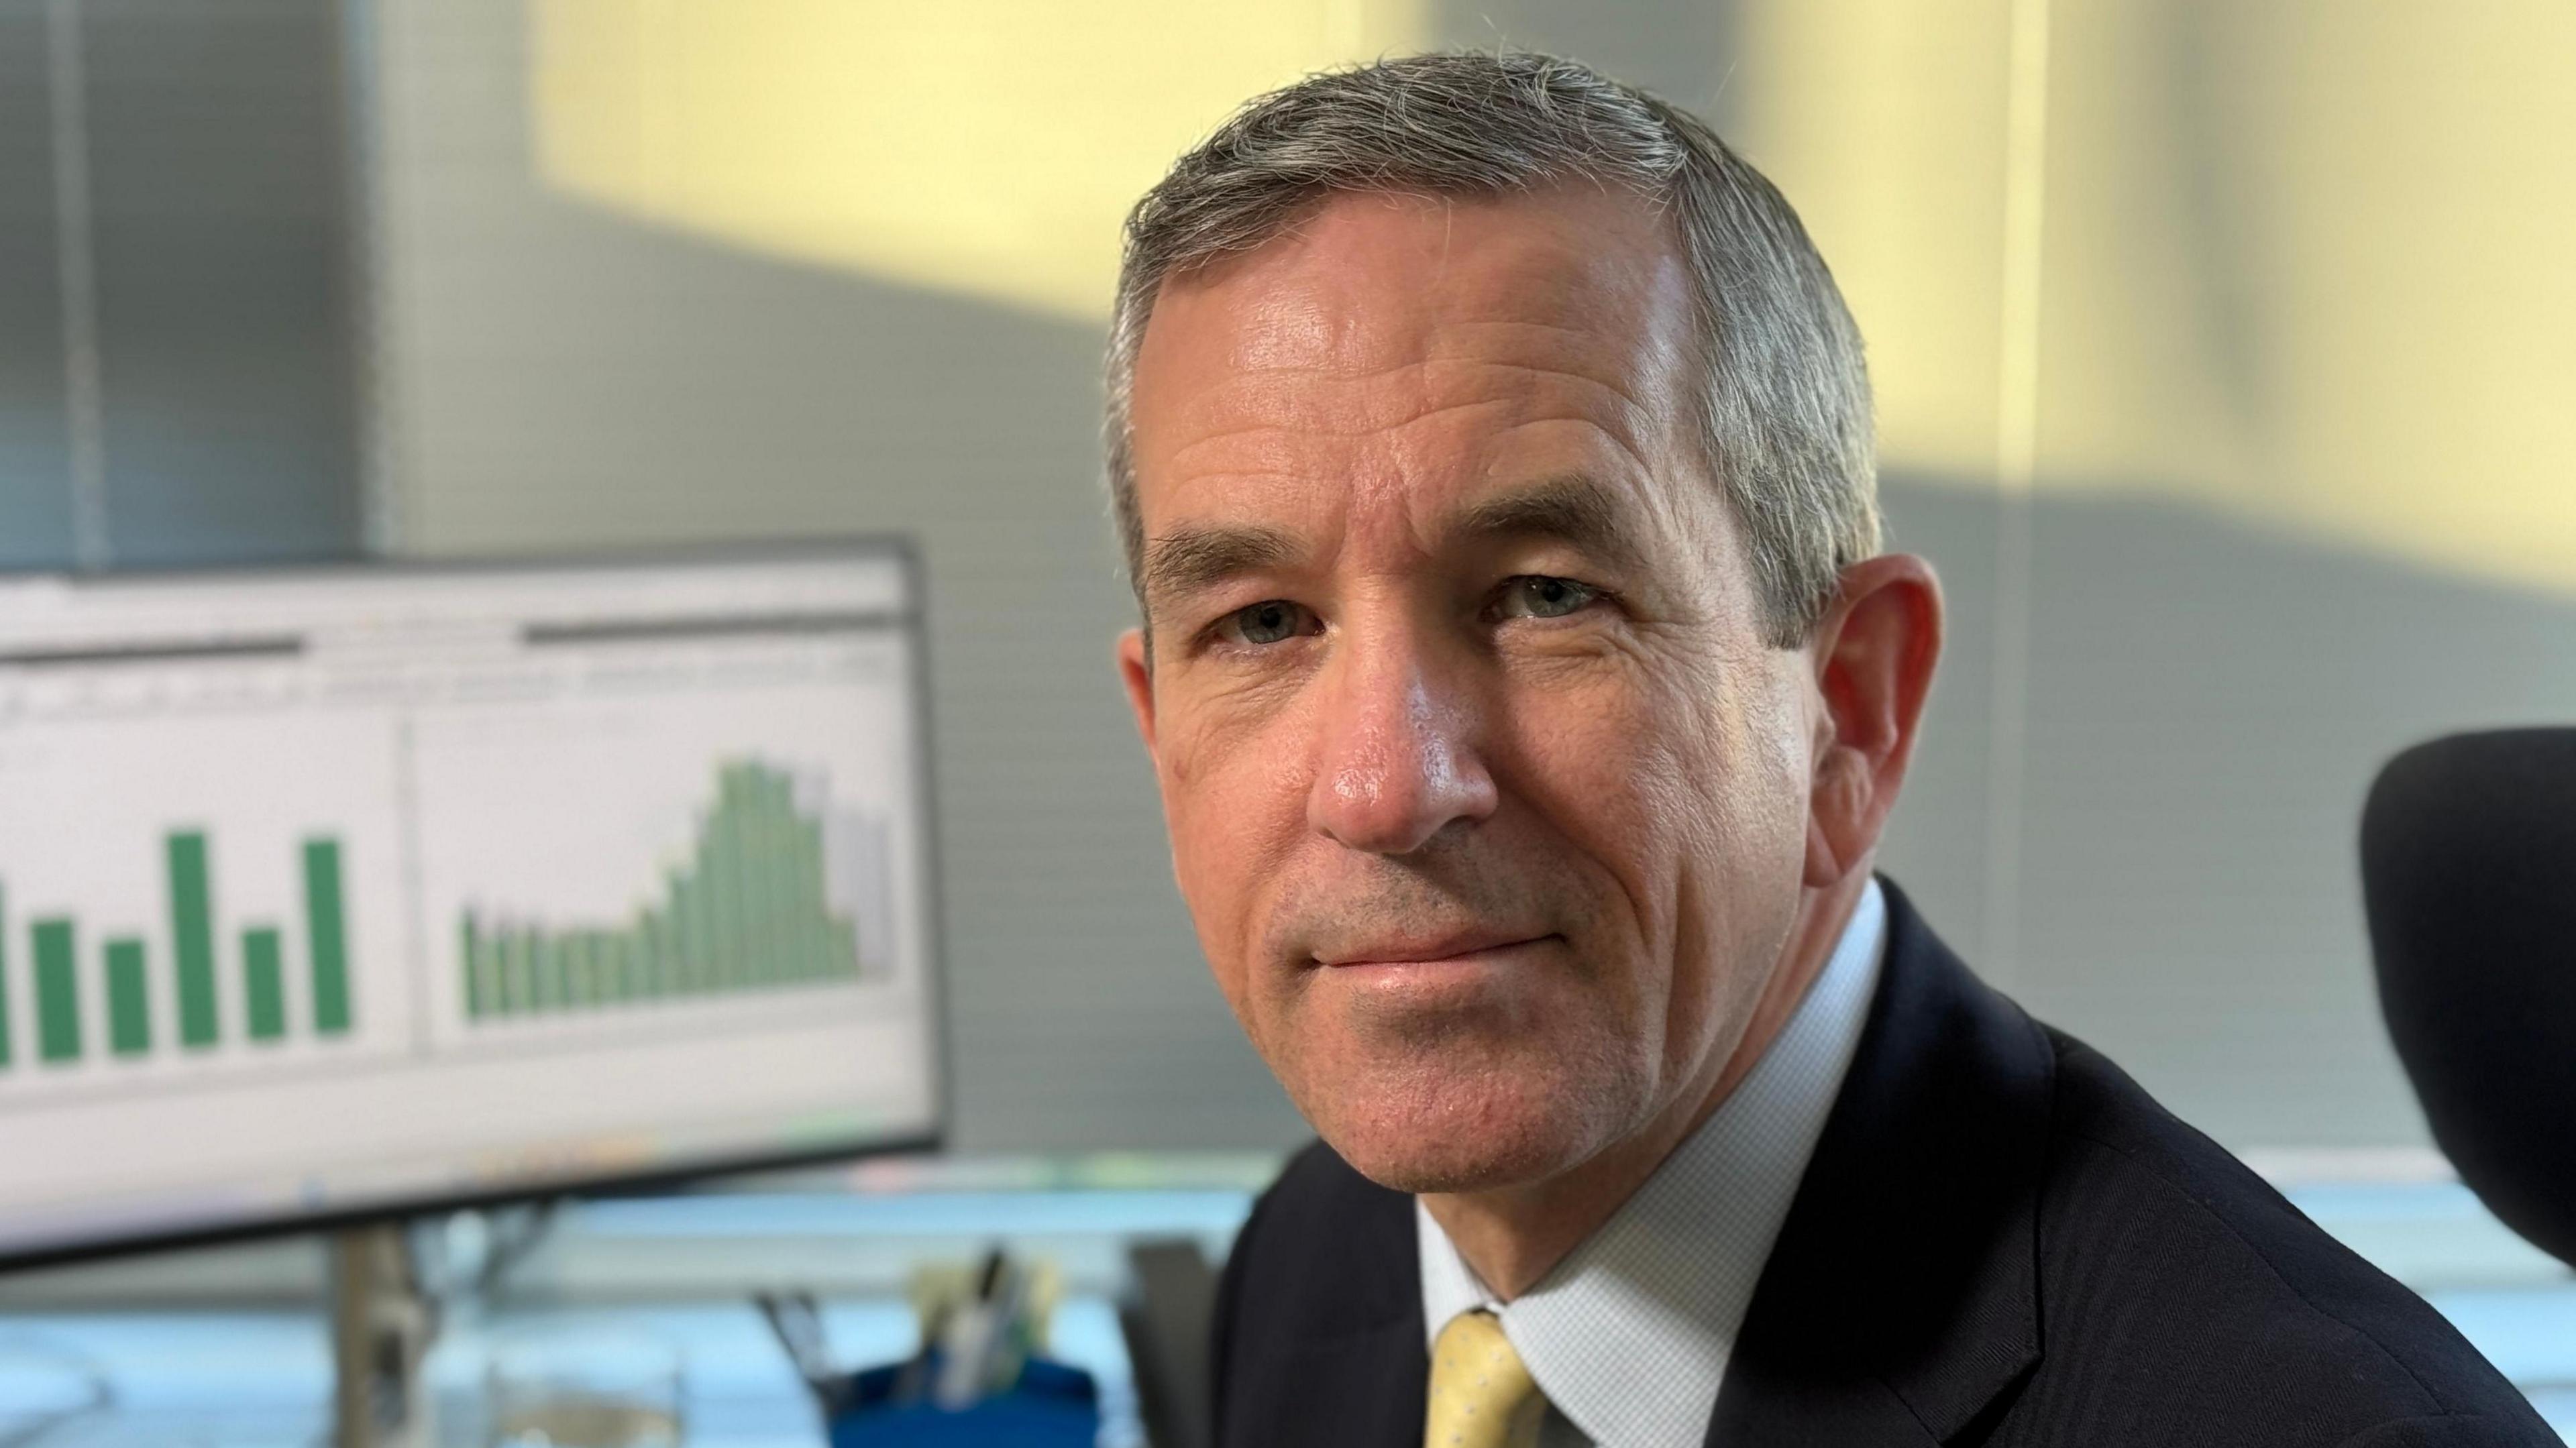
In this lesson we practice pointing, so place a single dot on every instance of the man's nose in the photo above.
(1399, 750)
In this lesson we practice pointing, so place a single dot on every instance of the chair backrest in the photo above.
(2468, 867)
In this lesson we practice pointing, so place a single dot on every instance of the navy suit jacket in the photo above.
(2000, 1240)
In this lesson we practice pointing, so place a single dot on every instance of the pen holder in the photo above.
(1051, 1405)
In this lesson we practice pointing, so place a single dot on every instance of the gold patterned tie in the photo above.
(1481, 1396)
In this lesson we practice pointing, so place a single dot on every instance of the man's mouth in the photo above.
(1462, 949)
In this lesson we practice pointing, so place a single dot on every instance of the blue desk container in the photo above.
(1051, 1406)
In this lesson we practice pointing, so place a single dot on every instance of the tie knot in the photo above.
(1481, 1395)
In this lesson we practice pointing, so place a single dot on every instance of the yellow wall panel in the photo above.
(2303, 261)
(983, 146)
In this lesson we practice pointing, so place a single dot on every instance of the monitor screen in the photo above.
(328, 893)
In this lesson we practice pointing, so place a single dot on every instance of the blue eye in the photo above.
(1271, 621)
(1538, 596)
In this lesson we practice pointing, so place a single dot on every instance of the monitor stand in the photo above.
(380, 1330)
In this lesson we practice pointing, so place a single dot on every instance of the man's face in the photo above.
(1486, 794)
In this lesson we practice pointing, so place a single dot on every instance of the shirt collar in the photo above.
(1628, 1337)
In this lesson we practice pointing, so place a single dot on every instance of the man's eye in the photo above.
(1538, 596)
(1270, 621)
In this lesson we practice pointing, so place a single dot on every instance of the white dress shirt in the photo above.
(1628, 1337)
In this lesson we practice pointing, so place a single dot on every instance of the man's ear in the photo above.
(1873, 652)
(1138, 675)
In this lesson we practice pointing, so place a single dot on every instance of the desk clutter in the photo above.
(980, 1378)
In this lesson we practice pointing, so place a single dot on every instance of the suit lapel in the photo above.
(1365, 1391)
(1338, 1353)
(1901, 1298)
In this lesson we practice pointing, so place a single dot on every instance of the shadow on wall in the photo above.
(2207, 703)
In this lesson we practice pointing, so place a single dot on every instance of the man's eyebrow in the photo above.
(1191, 559)
(1573, 509)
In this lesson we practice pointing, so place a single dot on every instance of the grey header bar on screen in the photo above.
(158, 651)
(656, 630)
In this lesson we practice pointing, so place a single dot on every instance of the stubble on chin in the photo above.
(1438, 1126)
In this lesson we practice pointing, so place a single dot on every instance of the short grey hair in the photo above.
(1785, 409)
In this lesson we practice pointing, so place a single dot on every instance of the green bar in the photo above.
(4, 981)
(469, 954)
(264, 980)
(785, 913)
(58, 1030)
(529, 947)
(652, 954)
(508, 960)
(129, 1008)
(795, 922)
(553, 981)
(752, 959)
(192, 933)
(805, 859)
(752, 877)
(536, 993)
(695, 931)
(722, 893)
(580, 968)
(818, 897)
(760, 878)
(327, 936)
(523, 969)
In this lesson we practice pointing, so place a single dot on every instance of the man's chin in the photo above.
(1449, 1151)
(1422, 1175)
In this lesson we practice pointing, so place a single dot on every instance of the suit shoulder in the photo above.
(2168, 1263)
(1319, 1315)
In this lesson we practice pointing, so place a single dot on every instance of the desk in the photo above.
(221, 1374)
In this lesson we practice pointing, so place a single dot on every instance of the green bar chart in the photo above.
(749, 910)
(248, 993)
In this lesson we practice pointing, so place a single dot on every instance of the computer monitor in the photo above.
(342, 893)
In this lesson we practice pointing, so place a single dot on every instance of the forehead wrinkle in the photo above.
(1271, 467)
(1414, 392)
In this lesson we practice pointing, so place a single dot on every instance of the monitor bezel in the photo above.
(904, 552)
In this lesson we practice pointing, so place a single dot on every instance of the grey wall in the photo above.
(35, 444)
(2205, 703)
(188, 385)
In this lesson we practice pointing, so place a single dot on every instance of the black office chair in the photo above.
(2468, 869)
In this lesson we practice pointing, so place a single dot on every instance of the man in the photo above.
(1527, 691)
